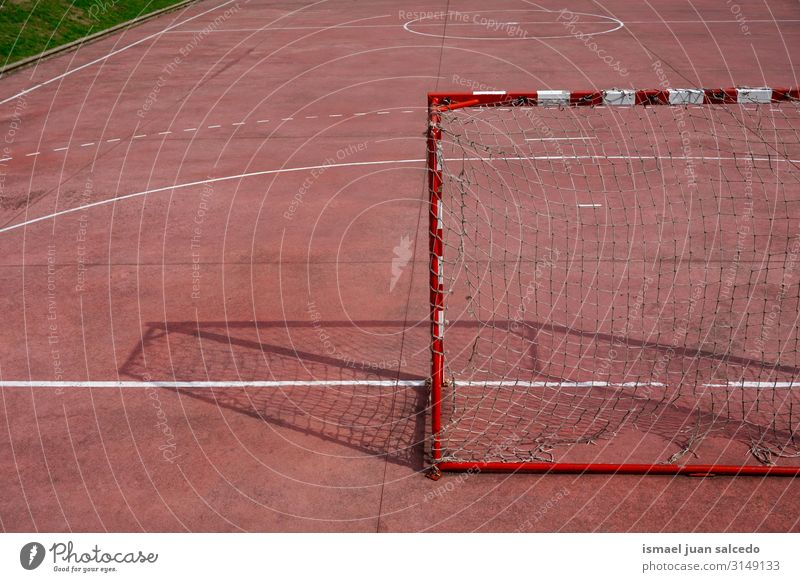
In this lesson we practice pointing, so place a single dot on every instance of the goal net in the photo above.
(629, 265)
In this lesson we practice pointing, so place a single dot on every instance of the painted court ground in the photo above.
(214, 264)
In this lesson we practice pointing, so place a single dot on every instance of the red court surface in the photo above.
(230, 200)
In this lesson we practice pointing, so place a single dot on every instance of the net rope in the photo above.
(632, 279)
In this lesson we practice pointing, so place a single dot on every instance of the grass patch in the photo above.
(29, 27)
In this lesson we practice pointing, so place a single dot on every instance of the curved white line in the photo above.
(109, 55)
(200, 182)
(610, 19)
(374, 163)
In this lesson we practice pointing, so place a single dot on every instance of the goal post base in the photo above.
(620, 469)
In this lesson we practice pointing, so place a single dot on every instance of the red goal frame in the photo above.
(441, 102)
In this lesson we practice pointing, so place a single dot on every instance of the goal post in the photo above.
(615, 281)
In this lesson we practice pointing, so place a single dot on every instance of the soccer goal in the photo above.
(615, 281)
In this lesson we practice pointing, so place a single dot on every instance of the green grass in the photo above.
(29, 27)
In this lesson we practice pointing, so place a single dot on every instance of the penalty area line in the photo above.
(352, 165)
(202, 182)
(203, 384)
(206, 384)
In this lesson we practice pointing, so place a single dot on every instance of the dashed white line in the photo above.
(168, 132)
(588, 205)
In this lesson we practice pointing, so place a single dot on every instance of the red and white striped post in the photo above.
(436, 279)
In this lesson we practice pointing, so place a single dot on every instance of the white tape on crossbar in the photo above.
(619, 97)
(686, 96)
(553, 97)
(754, 95)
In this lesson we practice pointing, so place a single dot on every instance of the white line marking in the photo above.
(238, 123)
(311, 116)
(140, 135)
(739, 158)
(111, 54)
(190, 129)
(207, 384)
(336, 115)
(32, 154)
(359, 113)
(557, 138)
(287, 118)
(262, 121)
(115, 139)
(384, 112)
(588, 205)
(164, 132)
(86, 145)
(307, 168)
(201, 182)
(551, 384)
(61, 149)
(751, 384)
(408, 111)
(438, 23)
(417, 22)
(214, 126)
(6, 159)
(371, 383)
